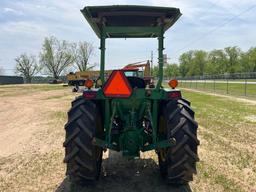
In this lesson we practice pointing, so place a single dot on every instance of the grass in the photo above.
(227, 150)
(235, 89)
(228, 158)
(29, 172)
(215, 178)
(40, 167)
(16, 90)
(56, 97)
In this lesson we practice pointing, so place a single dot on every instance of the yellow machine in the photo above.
(82, 75)
(78, 78)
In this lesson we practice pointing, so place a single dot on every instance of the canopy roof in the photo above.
(130, 20)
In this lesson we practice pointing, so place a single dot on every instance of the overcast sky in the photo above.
(205, 24)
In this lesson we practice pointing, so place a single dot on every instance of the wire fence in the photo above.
(231, 76)
(7, 80)
(238, 84)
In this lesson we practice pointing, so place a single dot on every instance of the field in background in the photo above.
(31, 153)
(244, 88)
(227, 130)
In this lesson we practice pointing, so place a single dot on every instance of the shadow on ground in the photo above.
(122, 175)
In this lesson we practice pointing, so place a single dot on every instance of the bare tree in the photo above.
(26, 66)
(56, 56)
(83, 52)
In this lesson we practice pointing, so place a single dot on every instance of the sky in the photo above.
(205, 24)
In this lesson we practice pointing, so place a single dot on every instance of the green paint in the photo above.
(132, 30)
(160, 58)
(131, 111)
(139, 113)
(102, 57)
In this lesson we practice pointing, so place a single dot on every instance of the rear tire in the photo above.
(83, 159)
(178, 164)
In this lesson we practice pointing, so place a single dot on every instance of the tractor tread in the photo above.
(78, 101)
(73, 119)
(188, 107)
(72, 136)
(190, 168)
(74, 169)
(177, 128)
(71, 155)
(186, 101)
(179, 165)
(184, 159)
(172, 115)
(87, 112)
(188, 116)
(177, 176)
(193, 136)
(83, 147)
(82, 158)
(181, 144)
(83, 128)
(184, 104)
(82, 163)
(86, 177)
(191, 153)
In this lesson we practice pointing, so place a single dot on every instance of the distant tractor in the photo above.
(123, 114)
(78, 78)
(145, 73)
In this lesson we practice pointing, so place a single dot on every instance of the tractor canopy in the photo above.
(130, 21)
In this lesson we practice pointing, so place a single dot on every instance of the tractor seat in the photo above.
(136, 82)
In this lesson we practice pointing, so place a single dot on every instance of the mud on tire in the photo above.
(178, 164)
(83, 159)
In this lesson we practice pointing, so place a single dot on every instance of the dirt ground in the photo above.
(31, 153)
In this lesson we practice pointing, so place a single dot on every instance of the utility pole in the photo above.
(151, 68)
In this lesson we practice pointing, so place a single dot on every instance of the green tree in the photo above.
(26, 66)
(216, 62)
(199, 62)
(155, 71)
(249, 60)
(185, 63)
(245, 62)
(56, 56)
(233, 63)
(172, 70)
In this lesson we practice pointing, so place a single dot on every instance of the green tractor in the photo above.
(124, 114)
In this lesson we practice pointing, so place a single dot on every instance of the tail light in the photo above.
(173, 83)
(174, 95)
(90, 94)
(88, 83)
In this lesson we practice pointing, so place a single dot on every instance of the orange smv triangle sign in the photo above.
(117, 85)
